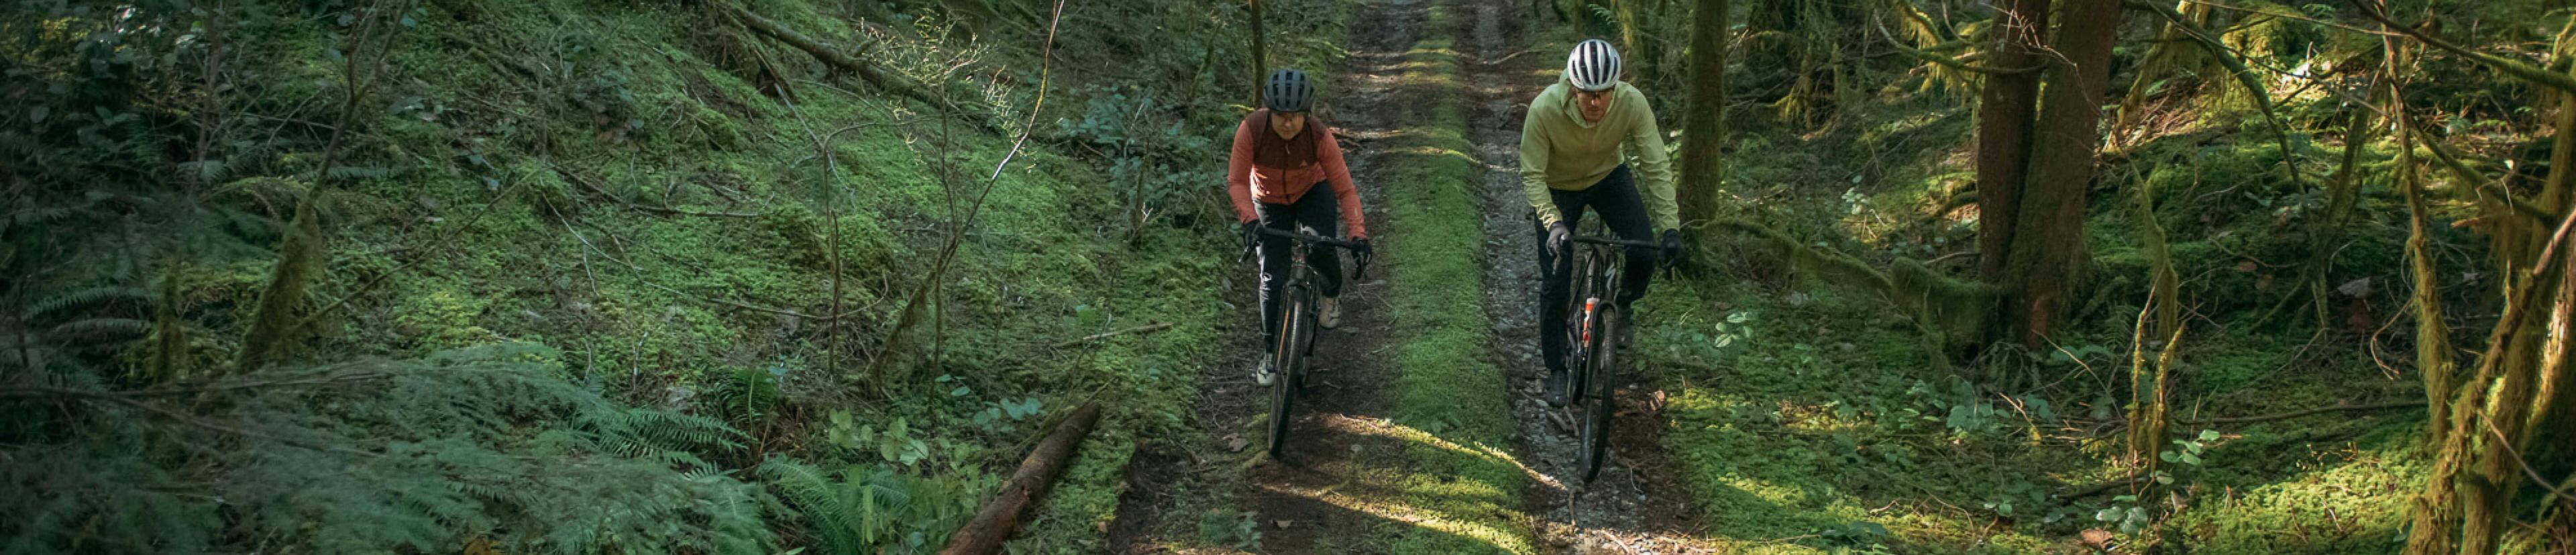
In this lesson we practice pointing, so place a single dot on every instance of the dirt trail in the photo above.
(1634, 506)
(1347, 390)
(1339, 454)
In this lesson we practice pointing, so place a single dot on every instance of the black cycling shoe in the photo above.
(1555, 388)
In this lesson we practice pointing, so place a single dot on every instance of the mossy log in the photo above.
(1950, 313)
(1001, 515)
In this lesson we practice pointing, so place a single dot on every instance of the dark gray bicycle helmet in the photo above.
(1593, 66)
(1287, 91)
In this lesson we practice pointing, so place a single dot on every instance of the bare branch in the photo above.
(2535, 74)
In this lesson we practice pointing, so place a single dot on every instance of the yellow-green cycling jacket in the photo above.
(1561, 151)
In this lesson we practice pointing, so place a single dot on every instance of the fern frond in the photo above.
(100, 331)
(87, 299)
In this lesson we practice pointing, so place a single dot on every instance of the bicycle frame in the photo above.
(1598, 264)
(1593, 359)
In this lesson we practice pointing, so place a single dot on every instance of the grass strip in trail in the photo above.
(1460, 487)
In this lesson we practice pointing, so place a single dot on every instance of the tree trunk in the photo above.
(1638, 59)
(2004, 112)
(2048, 252)
(1704, 121)
(1260, 55)
(2432, 334)
(2476, 472)
(273, 331)
(2151, 378)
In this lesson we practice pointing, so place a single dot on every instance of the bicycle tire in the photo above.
(1289, 357)
(1598, 411)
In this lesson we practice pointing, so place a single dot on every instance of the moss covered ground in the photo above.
(1460, 477)
(663, 196)
(1808, 420)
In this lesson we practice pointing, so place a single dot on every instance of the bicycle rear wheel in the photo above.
(1289, 357)
(1599, 406)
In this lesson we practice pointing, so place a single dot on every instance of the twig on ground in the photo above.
(2340, 407)
(1148, 328)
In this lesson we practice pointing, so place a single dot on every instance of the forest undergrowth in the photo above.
(785, 301)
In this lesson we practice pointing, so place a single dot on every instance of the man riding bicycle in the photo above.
(1280, 154)
(1571, 158)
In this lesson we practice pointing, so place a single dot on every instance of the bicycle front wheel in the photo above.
(1289, 358)
(1599, 407)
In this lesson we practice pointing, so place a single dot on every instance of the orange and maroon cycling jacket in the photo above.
(1289, 174)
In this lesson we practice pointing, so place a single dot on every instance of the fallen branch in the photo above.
(594, 188)
(835, 58)
(1148, 328)
(2340, 407)
(1001, 515)
(1960, 63)
(2245, 76)
(2098, 489)
(2537, 75)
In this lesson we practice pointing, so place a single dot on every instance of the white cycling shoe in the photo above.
(1266, 373)
(1328, 313)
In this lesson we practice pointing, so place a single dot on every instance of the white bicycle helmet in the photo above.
(1594, 66)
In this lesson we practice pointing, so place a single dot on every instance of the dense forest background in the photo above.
(759, 276)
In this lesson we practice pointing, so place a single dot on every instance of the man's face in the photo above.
(1595, 104)
(1287, 124)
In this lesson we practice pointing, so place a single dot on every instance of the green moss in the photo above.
(1463, 494)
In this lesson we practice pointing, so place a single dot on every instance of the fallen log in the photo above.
(1001, 515)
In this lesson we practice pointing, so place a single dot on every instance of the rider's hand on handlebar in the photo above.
(1251, 233)
(1361, 247)
(1672, 247)
(1557, 237)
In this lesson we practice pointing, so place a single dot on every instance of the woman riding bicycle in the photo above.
(1571, 158)
(1280, 154)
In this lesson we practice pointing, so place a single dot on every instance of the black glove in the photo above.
(1361, 247)
(1557, 237)
(1251, 233)
(1672, 246)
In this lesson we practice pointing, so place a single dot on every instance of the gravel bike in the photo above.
(1297, 326)
(1592, 316)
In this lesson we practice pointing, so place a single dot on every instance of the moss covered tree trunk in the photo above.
(2432, 334)
(2004, 112)
(2048, 251)
(1704, 121)
(273, 329)
(2496, 414)
(2159, 329)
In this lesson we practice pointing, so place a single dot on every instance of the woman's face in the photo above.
(1595, 104)
(1287, 124)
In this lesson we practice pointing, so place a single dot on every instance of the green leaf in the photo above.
(961, 391)
(2209, 435)
(2188, 458)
